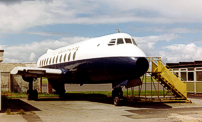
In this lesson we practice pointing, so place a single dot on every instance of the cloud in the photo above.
(32, 56)
(166, 30)
(172, 53)
(11, 2)
(48, 33)
(31, 52)
(147, 43)
(181, 52)
(22, 14)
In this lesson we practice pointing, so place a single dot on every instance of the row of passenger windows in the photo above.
(121, 41)
(57, 59)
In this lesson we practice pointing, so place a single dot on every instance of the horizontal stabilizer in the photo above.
(36, 72)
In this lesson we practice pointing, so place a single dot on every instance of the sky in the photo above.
(170, 29)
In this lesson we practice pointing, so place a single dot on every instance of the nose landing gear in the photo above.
(117, 95)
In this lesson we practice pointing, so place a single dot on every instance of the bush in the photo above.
(21, 111)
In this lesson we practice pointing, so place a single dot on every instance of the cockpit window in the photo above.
(112, 42)
(120, 41)
(128, 41)
(134, 42)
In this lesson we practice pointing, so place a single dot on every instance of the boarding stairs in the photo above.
(168, 78)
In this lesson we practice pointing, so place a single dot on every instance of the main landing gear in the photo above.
(117, 95)
(31, 94)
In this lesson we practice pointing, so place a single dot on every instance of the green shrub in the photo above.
(21, 111)
(8, 111)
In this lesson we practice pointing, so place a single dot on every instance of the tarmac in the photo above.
(100, 108)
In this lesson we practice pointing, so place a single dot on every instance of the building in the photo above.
(15, 83)
(191, 72)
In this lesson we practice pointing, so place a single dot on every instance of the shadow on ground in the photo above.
(100, 98)
(16, 104)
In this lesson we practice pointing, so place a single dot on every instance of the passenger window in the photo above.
(69, 56)
(112, 42)
(128, 41)
(120, 41)
(61, 58)
(50, 61)
(65, 57)
(53, 60)
(47, 61)
(134, 42)
(74, 55)
(56, 60)
(43, 62)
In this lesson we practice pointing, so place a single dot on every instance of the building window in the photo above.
(190, 76)
(199, 75)
(184, 76)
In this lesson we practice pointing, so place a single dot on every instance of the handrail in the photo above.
(159, 59)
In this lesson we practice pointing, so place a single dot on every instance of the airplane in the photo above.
(114, 58)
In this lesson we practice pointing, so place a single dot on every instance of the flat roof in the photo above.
(185, 64)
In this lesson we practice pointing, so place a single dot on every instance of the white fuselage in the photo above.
(105, 46)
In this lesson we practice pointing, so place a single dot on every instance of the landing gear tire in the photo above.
(117, 95)
(35, 95)
(62, 94)
(29, 94)
(116, 101)
(32, 95)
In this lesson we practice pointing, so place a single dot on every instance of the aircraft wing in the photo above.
(38, 72)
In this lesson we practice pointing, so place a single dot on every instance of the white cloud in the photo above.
(173, 53)
(25, 14)
(166, 30)
(147, 43)
(181, 52)
(32, 56)
(31, 52)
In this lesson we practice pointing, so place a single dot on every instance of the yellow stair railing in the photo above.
(168, 77)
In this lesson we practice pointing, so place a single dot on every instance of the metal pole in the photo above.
(41, 85)
(151, 86)
(158, 86)
(145, 87)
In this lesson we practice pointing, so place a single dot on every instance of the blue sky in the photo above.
(170, 29)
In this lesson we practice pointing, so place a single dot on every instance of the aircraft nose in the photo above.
(142, 65)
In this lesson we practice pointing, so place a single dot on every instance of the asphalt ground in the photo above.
(99, 108)
(101, 87)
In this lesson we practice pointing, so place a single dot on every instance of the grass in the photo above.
(44, 80)
(148, 79)
(106, 93)
(24, 95)
(109, 93)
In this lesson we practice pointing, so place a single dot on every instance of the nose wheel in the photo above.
(117, 95)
